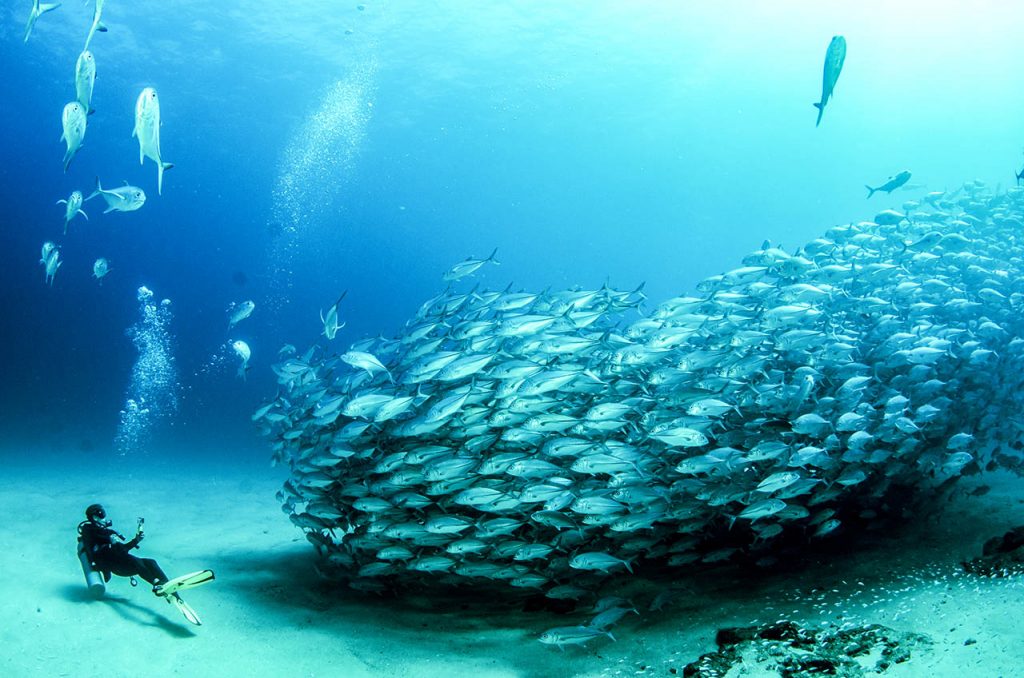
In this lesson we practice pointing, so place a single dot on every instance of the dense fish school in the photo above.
(548, 440)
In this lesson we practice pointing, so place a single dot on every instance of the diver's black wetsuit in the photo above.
(110, 556)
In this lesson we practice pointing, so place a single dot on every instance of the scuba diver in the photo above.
(104, 551)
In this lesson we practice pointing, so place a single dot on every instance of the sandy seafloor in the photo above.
(269, 614)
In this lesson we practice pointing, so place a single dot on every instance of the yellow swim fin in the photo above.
(184, 608)
(185, 581)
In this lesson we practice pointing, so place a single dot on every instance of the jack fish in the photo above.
(891, 184)
(73, 208)
(96, 25)
(73, 122)
(147, 130)
(330, 321)
(38, 10)
(85, 80)
(124, 199)
(468, 267)
(834, 58)
(242, 351)
(50, 261)
(240, 313)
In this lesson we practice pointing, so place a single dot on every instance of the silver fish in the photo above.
(571, 635)
(85, 80)
(72, 208)
(127, 198)
(74, 124)
(468, 267)
(330, 322)
(38, 9)
(147, 131)
(240, 312)
(891, 184)
(97, 25)
(834, 58)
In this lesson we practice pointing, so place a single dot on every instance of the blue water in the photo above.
(324, 146)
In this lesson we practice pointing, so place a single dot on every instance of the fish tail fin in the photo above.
(45, 7)
(821, 112)
(871, 191)
(1020, 175)
(639, 292)
(99, 187)
(609, 634)
(161, 168)
(495, 252)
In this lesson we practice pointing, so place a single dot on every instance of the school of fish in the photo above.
(549, 440)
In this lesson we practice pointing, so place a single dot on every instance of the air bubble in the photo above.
(153, 390)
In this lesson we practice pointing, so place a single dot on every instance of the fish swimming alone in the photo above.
(240, 312)
(891, 184)
(73, 208)
(330, 321)
(147, 130)
(85, 80)
(124, 199)
(468, 267)
(38, 10)
(73, 122)
(834, 58)
(242, 351)
(96, 25)
(572, 635)
(100, 268)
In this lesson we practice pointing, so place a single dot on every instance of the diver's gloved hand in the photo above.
(138, 531)
(134, 543)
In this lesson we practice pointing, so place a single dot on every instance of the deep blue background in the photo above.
(589, 142)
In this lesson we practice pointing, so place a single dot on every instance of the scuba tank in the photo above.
(93, 579)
